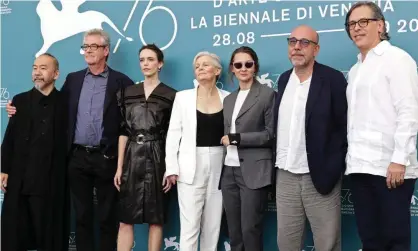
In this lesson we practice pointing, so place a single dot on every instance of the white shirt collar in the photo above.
(379, 50)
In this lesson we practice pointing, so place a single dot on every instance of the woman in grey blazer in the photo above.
(248, 165)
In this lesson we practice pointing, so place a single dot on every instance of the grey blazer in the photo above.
(255, 134)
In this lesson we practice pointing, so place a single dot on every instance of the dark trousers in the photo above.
(383, 215)
(244, 209)
(88, 169)
(32, 223)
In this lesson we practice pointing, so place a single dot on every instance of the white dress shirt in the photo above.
(382, 96)
(291, 142)
(232, 158)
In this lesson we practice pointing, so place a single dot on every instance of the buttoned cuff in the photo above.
(400, 158)
(234, 139)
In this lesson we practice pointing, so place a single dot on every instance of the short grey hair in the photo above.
(377, 14)
(103, 34)
(215, 58)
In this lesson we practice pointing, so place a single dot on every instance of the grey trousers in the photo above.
(298, 200)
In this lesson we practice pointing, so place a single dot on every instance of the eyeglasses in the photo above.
(248, 65)
(361, 23)
(292, 41)
(92, 47)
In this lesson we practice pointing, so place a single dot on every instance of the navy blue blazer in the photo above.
(111, 112)
(325, 125)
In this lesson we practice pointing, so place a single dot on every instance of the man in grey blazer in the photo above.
(248, 165)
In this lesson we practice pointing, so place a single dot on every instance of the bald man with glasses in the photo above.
(311, 128)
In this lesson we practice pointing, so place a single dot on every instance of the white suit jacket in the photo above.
(181, 136)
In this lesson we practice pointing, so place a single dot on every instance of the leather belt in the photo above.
(89, 149)
(141, 138)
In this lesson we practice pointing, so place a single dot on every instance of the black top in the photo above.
(210, 128)
(41, 140)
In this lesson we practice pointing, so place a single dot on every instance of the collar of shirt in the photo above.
(104, 74)
(39, 98)
(379, 50)
(294, 76)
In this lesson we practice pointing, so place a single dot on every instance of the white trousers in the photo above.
(200, 203)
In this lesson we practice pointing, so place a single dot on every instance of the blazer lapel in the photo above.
(112, 86)
(314, 90)
(193, 110)
(251, 98)
(282, 87)
(280, 91)
(230, 109)
(78, 85)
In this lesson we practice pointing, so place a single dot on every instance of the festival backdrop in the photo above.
(182, 29)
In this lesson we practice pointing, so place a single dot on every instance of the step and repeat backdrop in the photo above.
(182, 29)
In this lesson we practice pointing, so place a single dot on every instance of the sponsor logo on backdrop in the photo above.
(4, 7)
(170, 243)
(266, 81)
(71, 241)
(347, 207)
(271, 202)
(4, 97)
(57, 25)
(414, 204)
(227, 246)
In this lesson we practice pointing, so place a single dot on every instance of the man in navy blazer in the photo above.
(94, 127)
(311, 134)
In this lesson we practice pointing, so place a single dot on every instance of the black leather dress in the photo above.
(141, 198)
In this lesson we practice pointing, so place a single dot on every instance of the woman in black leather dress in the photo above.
(146, 109)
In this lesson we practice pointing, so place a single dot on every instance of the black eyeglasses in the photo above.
(292, 41)
(361, 23)
(248, 65)
(92, 47)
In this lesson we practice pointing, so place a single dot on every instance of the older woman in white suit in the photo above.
(194, 155)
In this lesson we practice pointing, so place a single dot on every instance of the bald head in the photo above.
(303, 46)
(305, 31)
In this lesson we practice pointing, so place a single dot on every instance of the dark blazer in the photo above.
(325, 125)
(255, 126)
(15, 150)
(111, 113)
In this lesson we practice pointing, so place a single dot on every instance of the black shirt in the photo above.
(36, 178)
(210, 128)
